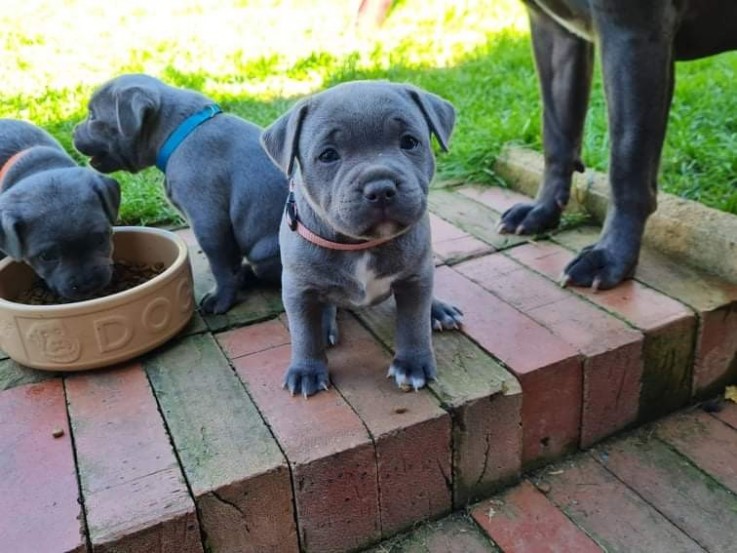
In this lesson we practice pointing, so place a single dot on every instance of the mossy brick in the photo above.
(668, 327)
(451, 245)
(235, 469)
(706, 441)
(331, 455)
(474, 218)
(254, 303)
(39, 494)
(497, 198)
(485, 403)
(453, 534)
(713, 299)
(727, 414)
(612, 351)
(13, 374)
(612, 514)
(547, 368)
(411, 432)
(523, 520)
(253, 339)
(134, 493)
(689, 498)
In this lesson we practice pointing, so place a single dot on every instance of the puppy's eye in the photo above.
(329, 155)
(408, 142)
(48, 256)
(99, 239)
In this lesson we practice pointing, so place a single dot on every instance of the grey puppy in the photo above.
(360, 160)
(218, 176)
(55, 215)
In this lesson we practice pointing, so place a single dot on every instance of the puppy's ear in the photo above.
(439, 114)
(10, 231)
(108, 191)
(131, 106)
(281, 138)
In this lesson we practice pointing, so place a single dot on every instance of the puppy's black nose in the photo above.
(380, 193)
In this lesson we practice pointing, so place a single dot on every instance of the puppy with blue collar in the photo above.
(356, 229)
(216, 173)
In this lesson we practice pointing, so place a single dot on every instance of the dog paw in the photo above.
(216, 303)
(412, 374)
(307, 378)
(600, 267)
(445, 316)
(529, 218)
(330, 325)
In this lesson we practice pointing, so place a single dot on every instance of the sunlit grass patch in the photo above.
(256, 57)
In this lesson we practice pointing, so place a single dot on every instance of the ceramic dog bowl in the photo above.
(103, 331)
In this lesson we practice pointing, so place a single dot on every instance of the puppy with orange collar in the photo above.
(55, 215)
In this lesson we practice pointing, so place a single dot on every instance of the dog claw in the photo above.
(500, 228)
(595, 284)
(519, 230)
(324, 386)
(564, 280)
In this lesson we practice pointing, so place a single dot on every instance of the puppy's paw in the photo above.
(414, 373)
(216, 302)
(306, 377)
(445, 316)
(529, 218)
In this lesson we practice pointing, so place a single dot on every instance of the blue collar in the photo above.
(183, 131)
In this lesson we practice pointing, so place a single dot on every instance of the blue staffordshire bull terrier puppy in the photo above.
(357, 229)
(55, 215)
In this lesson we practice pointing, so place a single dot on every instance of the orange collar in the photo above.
(12, 160)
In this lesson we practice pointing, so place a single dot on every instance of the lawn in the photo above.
(256, 57)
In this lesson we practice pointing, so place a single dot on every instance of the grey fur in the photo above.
(361, 159)
(54, 215)
(219, 177)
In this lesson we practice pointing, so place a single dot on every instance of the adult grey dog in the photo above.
(216, 172)
(54, 215)
(639, 43)
(357, 228)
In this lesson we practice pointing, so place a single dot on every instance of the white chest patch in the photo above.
(373, 288)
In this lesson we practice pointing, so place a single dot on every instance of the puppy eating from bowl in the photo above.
(356, 228)
(55, 216)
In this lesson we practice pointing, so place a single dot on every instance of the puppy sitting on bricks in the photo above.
(356, 228)
(55, 215)
(216, 173)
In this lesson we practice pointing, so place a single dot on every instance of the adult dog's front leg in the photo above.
(414, 362)
(564, 63)
(637, 66)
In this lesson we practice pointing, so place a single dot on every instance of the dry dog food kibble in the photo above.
(126, 275)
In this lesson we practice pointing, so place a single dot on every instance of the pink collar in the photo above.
(290, 213)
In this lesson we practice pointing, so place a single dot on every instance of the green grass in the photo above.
(257, 57)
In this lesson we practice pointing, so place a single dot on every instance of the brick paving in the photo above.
(195, 447)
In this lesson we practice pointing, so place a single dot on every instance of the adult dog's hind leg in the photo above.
(564, 64)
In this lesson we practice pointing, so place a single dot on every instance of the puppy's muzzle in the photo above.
(380, 194)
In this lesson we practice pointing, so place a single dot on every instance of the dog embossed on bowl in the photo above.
(102, 331)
